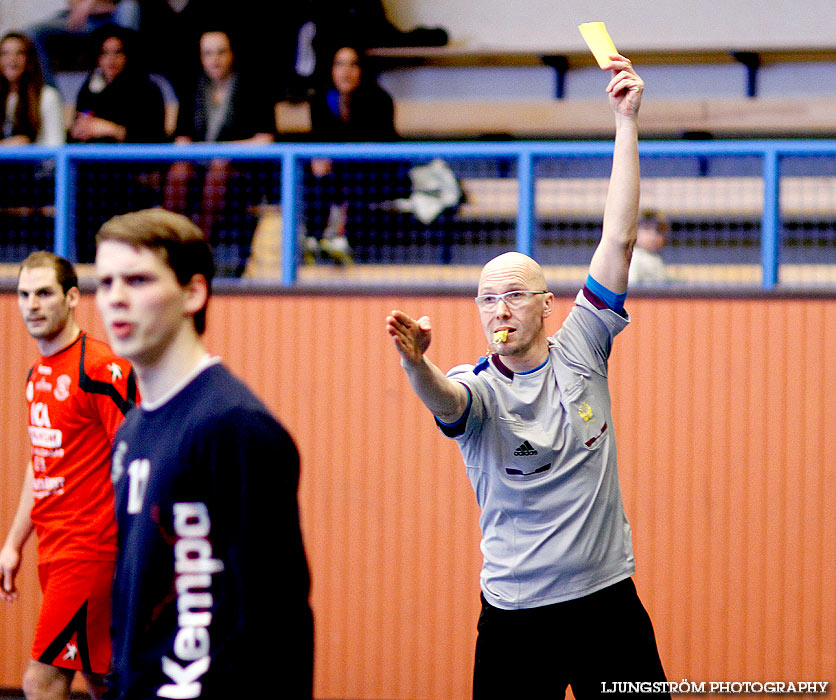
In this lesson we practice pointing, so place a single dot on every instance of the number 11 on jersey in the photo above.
(138, 473)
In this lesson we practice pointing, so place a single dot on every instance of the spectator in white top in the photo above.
(32, 111)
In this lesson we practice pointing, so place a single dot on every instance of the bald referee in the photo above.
(533, 423)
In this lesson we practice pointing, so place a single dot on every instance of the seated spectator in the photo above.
(81, 18)
(647, 265)
(169, 32)
(365, 21)
(118, 102)
(32, 111)
(223, 107)
(295, 42)
(352, 108)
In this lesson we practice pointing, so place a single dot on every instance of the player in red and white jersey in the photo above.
(77, 393)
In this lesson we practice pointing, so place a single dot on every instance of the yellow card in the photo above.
(599, 42)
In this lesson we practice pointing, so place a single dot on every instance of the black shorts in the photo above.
(536, 653)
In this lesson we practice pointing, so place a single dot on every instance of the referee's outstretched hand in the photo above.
(412, 338)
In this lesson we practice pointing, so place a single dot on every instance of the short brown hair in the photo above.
(654, 218)
(64, 271)
(178, 241)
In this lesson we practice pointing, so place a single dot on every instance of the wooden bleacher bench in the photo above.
(543, 119)
(593, 118)
(801, 197)
(463, 54)
(678, 197)
(466, 54)
(293, 118)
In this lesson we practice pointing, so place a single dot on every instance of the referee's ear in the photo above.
(548, 304)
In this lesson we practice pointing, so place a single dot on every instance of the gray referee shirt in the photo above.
(540, 452)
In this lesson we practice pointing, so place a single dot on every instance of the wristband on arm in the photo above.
(611, 299)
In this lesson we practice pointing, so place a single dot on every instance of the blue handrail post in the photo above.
(771, 219)
(525, 212)
(290, 217)
(64, 243)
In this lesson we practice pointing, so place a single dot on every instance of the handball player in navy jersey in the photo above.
(211, 578)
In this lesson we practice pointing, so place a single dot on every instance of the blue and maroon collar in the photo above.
(501, 367)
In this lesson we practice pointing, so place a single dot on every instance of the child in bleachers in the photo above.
(647, 265)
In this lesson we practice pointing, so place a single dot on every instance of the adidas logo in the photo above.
(525, 450)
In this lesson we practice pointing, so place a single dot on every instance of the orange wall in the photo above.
(725, 421)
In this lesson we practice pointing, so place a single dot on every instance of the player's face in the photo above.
(346, 70)
(216, 55)
(525, 324)
(45, 308)
(143, 306)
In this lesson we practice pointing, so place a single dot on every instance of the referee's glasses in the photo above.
(513, 300)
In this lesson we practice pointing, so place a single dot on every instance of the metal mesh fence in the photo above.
(808, 215)
(222, 197)
(27, 208)
(423, 219)
(713, 206)
(709, 205)
(405, 212)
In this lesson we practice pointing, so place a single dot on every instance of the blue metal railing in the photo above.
(525, 154)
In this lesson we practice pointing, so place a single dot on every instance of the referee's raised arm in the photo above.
(611, 261)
